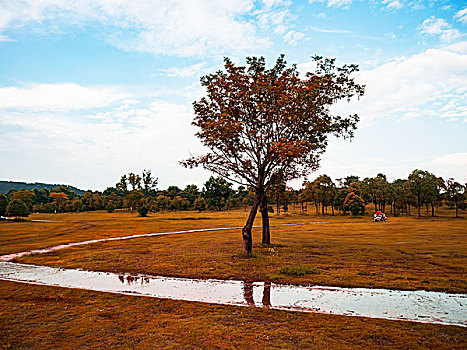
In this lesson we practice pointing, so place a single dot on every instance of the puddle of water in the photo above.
(419, 306)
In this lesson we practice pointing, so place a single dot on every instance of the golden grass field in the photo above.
(403, 253)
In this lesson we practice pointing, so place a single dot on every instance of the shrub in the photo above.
(298, 270)
(17, 208)
(355, 204)
(110, 207)
(143, 211)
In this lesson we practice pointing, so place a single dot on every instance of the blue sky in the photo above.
(90, 90)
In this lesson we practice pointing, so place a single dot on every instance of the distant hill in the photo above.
(5, 186)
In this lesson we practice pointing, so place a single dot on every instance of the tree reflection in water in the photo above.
(133, 279)
(248, 294)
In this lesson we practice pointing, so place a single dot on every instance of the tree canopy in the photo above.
(268, 125)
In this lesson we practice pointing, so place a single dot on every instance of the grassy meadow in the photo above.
(403, 253)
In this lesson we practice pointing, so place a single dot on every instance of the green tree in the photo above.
(148, 183)
(141, 188)
(263, 124)
(59, 199)
(397, 196)
(347, 181)
(276, 193)
(173, 191)
(26, 196)
(339, 199)
(200, 204)
(41, 196)
(65, 189)
(324, 190)
(355, 204)
(143, 210)
(162, 202)
(17, 208)
(190, 193)
(216, 191)
(3, 204)
(455, 192)
(134, 199)
(420, 184)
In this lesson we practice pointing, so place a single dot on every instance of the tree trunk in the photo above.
(278, 208)
(457, 209)
(418, 204)
(432, 209)
(265, 220)
(246, 231)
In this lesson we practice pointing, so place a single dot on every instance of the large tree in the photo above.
(141, 188)
(455, 192)
(264, 126)
(217, 191)
(17, 208)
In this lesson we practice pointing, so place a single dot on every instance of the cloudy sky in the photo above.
(93, 89)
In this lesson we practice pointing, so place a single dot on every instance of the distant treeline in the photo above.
(421, 191)
(6, 186)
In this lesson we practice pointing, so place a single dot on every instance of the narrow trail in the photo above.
(9, 257)
(418, 306)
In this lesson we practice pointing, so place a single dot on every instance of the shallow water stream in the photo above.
(420, 306)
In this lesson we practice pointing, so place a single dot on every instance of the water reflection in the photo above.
(418, 306)
(263, 291)
(248, 293)
(133, 279)
(267, 295)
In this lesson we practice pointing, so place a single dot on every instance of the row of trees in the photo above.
(133, 191)
(421, 190)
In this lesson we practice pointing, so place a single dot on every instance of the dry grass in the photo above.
(403, 253)
(35, 317)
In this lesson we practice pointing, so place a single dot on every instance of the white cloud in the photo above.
(330, 31)
(5, 38)
(461, 16)
(90, 149)
(292, 37)
(176, 27)
(275, 17)
(392, 4)
(335, 3)
(429, 84)
(437, 26)
(190, 71)
(339, 3)
(65, 96)
(272, 3)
